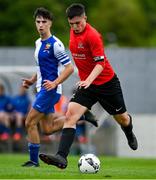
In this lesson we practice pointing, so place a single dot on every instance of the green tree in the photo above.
(17, 23)
(149, 7)
(127, 23)
(125, 19)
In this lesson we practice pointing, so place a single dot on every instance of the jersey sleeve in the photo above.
(96, 46)
(61, 54)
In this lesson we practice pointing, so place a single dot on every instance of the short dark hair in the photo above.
(75, 9)
(43, 13)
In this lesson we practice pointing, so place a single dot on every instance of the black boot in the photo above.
(131, 138)
(60, 159)
(55, 160)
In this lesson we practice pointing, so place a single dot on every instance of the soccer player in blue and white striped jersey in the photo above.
(49, 54)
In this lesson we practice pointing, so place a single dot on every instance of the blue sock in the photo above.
(34, 151)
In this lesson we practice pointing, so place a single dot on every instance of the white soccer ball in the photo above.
(89, 163)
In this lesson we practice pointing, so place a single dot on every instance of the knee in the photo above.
(46, 130)
(71, 120)
(123, 119)
(126, 120)
(30, 123)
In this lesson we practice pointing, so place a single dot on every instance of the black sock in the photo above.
(88, 115)
(128, 128)
(67, 138)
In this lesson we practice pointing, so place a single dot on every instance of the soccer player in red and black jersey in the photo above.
(98, 83)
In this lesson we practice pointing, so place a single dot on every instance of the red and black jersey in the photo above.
(87, 50)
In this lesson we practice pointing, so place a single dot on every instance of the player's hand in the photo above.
(49, 85)
(84, 84)
(27, 83)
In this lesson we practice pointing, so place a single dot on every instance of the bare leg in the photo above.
(123, 119)
(31, 122)
(73, 114)
(52, 123)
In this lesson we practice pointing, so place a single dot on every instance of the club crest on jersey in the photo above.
(80, 45)
(47, 47)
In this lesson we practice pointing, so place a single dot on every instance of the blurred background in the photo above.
(129, 32)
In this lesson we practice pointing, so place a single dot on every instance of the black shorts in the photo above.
(109, 95)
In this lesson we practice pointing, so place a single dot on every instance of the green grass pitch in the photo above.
(111, 168)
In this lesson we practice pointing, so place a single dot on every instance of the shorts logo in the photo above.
(73, 95)
(118, 109)
(38, 106)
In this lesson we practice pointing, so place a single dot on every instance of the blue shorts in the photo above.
(45, 101)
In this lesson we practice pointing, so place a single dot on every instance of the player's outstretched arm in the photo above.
(27, 82)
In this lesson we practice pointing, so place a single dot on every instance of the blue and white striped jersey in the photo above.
(49, 54)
